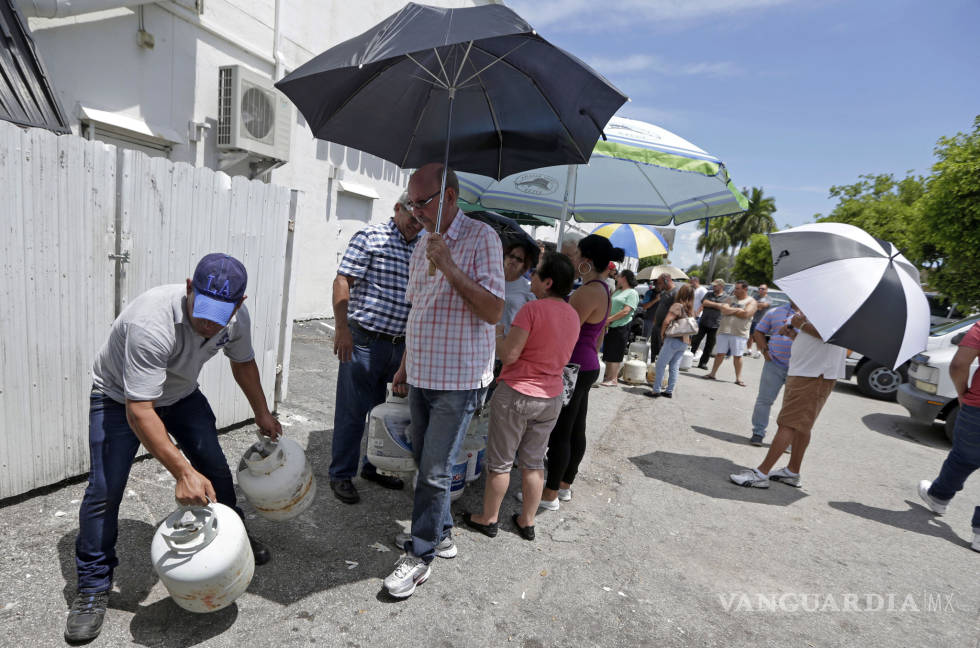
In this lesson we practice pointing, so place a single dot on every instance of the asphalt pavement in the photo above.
(656, 548)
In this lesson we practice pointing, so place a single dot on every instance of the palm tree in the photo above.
(717, 238)
(757, 219)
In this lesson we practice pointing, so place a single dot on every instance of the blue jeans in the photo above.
(439, 422)
(361, 384)
(670, 355)
(772, 380)
(962, 460)
(112, 447)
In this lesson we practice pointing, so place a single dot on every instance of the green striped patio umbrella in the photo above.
(640, 174)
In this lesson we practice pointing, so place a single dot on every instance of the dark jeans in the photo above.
(112, 447)
(962, 460)
(566, 447)
(361, 384)
(708, 335)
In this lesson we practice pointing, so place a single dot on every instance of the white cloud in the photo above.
(656, 64)
(576, 15)
(685, 252)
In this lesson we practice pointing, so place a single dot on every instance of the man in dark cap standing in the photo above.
(145, 391)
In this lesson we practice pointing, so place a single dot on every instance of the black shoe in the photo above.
(653, 394)
(385, 481)
(667, 394)
(343, 489)
(705, 367)
(526, 532)
(489, 530)
(260, 552)
(86, 616)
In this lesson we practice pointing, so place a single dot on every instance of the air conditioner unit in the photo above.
(252, 115)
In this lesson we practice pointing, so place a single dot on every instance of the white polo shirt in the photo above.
(810, 357)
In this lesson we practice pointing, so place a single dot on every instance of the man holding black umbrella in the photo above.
(448, 360)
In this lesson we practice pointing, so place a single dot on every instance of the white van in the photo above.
(929, 394)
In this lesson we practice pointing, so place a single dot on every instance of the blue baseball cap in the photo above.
(219, 284)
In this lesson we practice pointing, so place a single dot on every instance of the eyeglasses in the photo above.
(514, 257)
(421, 204)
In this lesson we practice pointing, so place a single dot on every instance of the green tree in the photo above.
(650, 261)
(754, 261)
(716, 240)
(757, 219)
(950, 223)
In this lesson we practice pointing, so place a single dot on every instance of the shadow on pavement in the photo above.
(739, 439)
(166, 624)
(709, 476)
(917, 518)
(902, 427)
(133, 578)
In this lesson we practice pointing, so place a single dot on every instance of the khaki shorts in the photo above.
(803, 399)
(520, 425)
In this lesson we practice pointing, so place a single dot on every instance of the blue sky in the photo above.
(794, 96)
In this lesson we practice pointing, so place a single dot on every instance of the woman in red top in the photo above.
(964, 459)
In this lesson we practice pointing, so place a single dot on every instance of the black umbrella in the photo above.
(475, 87)
(509, 232)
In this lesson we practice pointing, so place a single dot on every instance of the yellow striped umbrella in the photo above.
(638, 241)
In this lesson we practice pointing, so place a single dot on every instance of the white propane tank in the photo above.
(641, 349)
(687, 360)
(389, 443)
(651, 372)
(458, 475)
(475, 443)
(602, 372)
(276, 478)
(634, 371)
(203, 557)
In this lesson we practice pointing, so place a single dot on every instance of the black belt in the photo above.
(375, 335)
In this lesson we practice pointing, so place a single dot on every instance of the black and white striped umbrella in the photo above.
(857, 290)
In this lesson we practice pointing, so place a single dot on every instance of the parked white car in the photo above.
(929, 394)
(878, 381)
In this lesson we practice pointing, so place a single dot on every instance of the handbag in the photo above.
(569, 376)
(682, 326)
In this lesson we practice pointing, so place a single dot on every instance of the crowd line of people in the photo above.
(431, 314)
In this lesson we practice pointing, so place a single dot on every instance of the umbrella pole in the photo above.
(569, 181)
(445, 169)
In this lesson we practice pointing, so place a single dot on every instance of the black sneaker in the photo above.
(385, 481)
(260, 552)
(343, 489)
(86, 616)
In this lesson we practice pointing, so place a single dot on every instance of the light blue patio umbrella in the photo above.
(640, 174)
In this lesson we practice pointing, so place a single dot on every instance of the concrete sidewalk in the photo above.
(657, 547)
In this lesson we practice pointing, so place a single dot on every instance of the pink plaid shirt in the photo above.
(448, 347)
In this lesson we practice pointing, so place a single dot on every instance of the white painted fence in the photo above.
(67, 205)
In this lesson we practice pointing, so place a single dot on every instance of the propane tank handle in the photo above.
(179, 539)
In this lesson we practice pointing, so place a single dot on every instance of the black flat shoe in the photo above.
(653, 394)
(86, 616)
(260, 552)
(343, 489)
(667, 394)
(385, 481)
(527, 532)
(489, 530)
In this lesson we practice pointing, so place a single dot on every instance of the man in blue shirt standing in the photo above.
(370, 312)
(776, 351)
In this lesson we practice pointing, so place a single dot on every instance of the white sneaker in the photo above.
(784, 476)
(409, 573)
(756, 354)
(565, 494)
(545, 504)
(445, 549)
(750, 478)
(935, 505)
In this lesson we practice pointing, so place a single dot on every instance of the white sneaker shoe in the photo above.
(545, 504)
(784, 476)
(409, 573)
(934, 505)
(750, 478)
(445, 549)
(565, 494)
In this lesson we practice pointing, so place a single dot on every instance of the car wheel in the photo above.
(951, 422)
(878, 381)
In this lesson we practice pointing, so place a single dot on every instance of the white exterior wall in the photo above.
(94, 60)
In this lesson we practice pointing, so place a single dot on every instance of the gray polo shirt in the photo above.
(153, 353)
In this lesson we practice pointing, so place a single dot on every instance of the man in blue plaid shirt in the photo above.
(370, 312)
